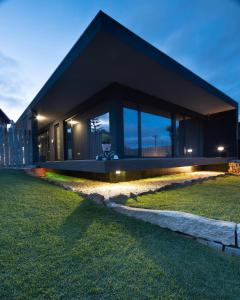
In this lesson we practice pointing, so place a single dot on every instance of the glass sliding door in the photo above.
(68, 129)
(57, 149)
(43, 146)
(99, 131)
(156, 135)
(179, 148)
(131, 142)
(75, 131)
(147, 134)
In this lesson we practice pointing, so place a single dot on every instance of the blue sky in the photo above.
(35, 35)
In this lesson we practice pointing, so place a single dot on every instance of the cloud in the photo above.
(6, 61)
(11, 105)
(12, 87)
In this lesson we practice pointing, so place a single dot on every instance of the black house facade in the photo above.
(113, 86)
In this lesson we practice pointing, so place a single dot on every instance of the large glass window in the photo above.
(69, 139)
(99, 132)
(156, 133)
(180, 136)
(43, 146)
(75, 138)
(130, 132)
(57, 146)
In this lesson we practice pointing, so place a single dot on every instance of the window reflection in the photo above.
(180, 136)
(69, 140)
(130, 132)
(99, 132)
(57, 142)
(156, 135)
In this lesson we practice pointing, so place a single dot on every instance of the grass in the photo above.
(217, 199)
(56, 245)
(61, 177)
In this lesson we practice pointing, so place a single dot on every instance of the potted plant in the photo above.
(106, 143)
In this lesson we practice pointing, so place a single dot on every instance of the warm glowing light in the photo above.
(118, 172)
(186, 169)
(189, 150)
(220, 148)
(73, 122)
(40, 118)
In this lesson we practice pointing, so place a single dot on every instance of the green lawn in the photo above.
(62, 177)
(66, 178)
(218, 199)
(56, 245)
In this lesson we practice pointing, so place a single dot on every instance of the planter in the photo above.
(38, 172)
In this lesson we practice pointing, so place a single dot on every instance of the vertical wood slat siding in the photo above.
(15, 147)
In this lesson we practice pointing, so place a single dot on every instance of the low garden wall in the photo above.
(221, 235)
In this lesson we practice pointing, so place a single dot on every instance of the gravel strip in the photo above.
(121, 190)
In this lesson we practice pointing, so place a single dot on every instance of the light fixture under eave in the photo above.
(189, 150)
(40, 118)
(73, 122)
(220, 148)
(117, 172)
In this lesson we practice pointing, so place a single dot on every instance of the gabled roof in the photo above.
(4, 118)
(108, 52)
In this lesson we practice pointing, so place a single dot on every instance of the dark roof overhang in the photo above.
(108, 52)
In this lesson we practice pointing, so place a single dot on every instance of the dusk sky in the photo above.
(35, 36)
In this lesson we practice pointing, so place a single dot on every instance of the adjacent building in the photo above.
(4, 120)
(115, 87)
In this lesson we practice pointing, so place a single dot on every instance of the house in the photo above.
(4, 120)
(114, 85)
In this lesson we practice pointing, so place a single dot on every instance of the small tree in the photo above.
(96, 125)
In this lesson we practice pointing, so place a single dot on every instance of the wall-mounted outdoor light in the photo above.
(73, 122)
(117, 172)
(40, 118)
(189, 150)
(220, 148)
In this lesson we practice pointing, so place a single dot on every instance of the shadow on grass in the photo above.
(76, 224)
(183, 260)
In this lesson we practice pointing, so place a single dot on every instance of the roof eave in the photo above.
(104, 22)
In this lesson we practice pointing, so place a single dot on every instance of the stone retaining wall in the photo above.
(221, 235)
